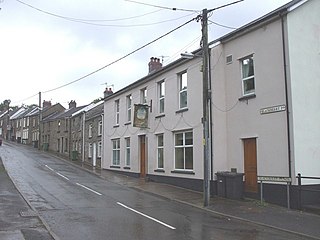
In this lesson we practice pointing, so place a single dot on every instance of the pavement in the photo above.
(20, 221)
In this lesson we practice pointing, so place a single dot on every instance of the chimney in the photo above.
(46, 104)
(72, 104)
(154, 65)
(107, 92)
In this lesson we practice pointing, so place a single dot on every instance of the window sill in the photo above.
(182, 110)
(127, 123)
(190, 172)
(128, 168)
(159, 170)
(160, 115)
(116, 126)
(115, 167)
(247, 97)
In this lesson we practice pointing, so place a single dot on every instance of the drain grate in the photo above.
(28, 213)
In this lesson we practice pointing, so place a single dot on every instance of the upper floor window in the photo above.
(90, 130)
(183, 88)
(161, 91)
(117, 112)
(248, 84)
(144, 96)
(100, 128)
(129, 107)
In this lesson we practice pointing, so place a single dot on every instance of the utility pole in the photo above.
(205, 118)
(40, 119)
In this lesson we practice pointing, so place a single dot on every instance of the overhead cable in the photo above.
(121, 58)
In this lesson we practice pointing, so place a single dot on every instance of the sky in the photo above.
(45, 45)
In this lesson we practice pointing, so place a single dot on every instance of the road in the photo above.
(79, 205)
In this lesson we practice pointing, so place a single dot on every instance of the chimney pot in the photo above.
(154, 64)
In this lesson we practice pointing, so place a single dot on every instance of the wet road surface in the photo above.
(79, 205)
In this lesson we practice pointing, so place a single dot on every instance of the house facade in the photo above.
(264, 80)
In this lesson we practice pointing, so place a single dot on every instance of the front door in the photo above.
(142, 143)
(250, 164)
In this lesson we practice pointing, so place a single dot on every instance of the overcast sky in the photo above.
(46, 44)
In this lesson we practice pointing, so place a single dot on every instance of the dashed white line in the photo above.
(144, 215)
(63, 176)
(49, 168)
(89, 189)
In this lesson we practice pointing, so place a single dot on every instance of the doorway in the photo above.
(94, 154)
(250, 165)
(142, 151)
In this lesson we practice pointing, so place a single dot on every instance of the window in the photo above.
(248, 85)
(144, 96)
(161, 91)
(183, 87)
(99, 149)
(100, 128)
(183, 151)
(160, 151)
(117, 111)
(66, 145)
(127, 151)
(90, 150)
(129, 103)
(116, 152)
(90, 130)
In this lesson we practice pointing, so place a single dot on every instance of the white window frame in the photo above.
(128, 151)
(184, 146)
(99, 149)
(183, 90)
(90, 130)
(129, 107)
(245, 79)
(117, 111)
(160, 148)
(144, 96)
(161, 92)
(100, 128)
(116, 152)
(90, 150)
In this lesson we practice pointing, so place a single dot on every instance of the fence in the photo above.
(306, 188)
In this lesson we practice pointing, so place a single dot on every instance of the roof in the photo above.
(95, 111)
(276, 13)
(87, 108)
(61, 115)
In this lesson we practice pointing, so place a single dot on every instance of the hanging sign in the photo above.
(140, 118)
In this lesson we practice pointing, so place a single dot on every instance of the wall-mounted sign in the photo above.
(274, 179)
(273, 109)
(140, 118)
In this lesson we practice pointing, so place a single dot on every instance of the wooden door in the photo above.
(250, 165)
(142, 143)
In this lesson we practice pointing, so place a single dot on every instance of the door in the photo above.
(250, 164)
(142, 145)
(94, 154)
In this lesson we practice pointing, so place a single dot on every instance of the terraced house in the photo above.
(264, 83)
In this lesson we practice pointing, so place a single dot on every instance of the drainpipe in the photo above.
(83, 128)
(210, 116)
(286, 90)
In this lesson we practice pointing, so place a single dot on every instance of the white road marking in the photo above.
(49, 168)
(144, 215)
(89, 189)
(63, 176)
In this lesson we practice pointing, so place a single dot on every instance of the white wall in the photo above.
(304, 60)
(171, 122)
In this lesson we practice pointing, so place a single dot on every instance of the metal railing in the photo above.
(305, 189)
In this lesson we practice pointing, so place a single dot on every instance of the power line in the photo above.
(162, 7)
(121, 58)
(221, 25)
(85, 20)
